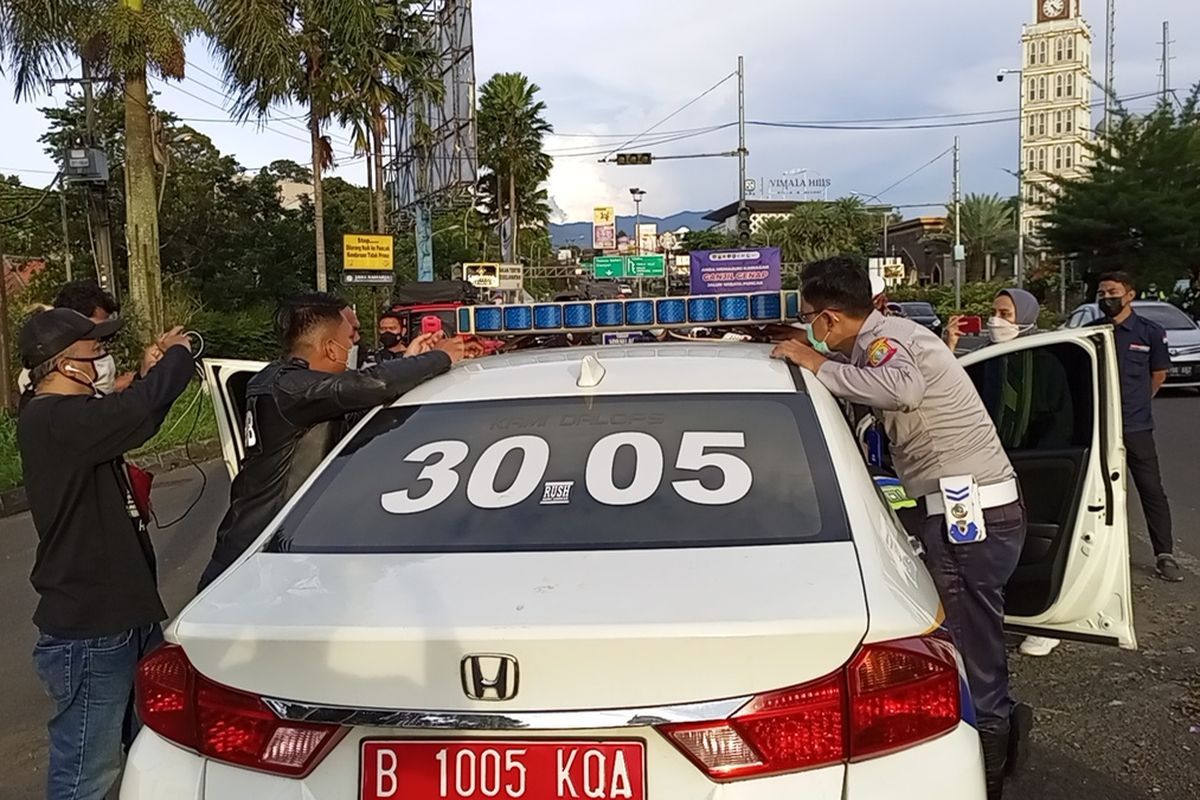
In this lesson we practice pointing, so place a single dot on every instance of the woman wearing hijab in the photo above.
(1046, 420)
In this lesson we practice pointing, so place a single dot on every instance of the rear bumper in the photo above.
(949, 768)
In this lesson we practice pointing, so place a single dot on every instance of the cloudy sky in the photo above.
(610, 70)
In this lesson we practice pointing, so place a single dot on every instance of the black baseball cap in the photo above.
(48, 333)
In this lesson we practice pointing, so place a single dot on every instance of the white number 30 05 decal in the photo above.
(441, 460)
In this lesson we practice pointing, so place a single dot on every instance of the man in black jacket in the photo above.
(296, 411)
(99, 607)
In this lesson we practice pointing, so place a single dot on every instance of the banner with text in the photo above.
(604, 228)
(725, 271)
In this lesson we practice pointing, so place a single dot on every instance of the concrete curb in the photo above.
(13, 501)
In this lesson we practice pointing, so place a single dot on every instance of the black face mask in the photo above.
(388, 340)
(1111, 306)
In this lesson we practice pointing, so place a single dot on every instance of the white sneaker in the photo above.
(1038, 646)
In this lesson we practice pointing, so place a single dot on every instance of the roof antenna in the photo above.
(591, 372)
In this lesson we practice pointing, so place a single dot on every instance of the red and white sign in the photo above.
(507, 769)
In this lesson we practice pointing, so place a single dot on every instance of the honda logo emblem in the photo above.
(490, 676)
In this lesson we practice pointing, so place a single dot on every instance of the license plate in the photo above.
(1180, 372)
(481, 770)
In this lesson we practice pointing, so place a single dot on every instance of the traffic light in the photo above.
(743, 225)
(634, 159)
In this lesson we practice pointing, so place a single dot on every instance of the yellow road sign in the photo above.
(362, 251)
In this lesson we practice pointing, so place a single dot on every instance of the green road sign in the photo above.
(653, 266)
(609, 266)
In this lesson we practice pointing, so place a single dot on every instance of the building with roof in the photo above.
(724, 219)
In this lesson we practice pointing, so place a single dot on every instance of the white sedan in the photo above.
(648, 571)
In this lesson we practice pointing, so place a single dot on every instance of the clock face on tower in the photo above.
(1053, 9)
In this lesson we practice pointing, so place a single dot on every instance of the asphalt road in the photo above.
(1111, 725)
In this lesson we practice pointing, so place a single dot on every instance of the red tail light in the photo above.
(889, 697)
(179, 704)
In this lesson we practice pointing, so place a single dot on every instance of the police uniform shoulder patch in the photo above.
(880, 352)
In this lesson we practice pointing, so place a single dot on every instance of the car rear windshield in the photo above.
(920, 309)
(617, 472)
(1169, 317)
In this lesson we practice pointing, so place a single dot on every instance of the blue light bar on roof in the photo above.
(630, 314)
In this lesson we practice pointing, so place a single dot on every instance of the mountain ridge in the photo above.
(580, 233)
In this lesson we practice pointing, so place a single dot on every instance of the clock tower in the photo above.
(1056, 118)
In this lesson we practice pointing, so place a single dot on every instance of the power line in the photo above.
(264, 126)
(673, 114)
(576, 151)
(35, 206)
(921, 126)
(225, 96)
(916, 171)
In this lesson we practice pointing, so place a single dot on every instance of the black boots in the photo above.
(1020, 725)
(995, 761)
(1005, 751)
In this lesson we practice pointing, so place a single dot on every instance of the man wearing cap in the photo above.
(99, 608)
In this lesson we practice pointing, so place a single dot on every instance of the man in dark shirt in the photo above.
(297, 409)
(1143, 361)
(99, 606)
(391, 337)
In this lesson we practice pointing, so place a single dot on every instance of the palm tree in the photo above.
(126, 39)
(988, 228)
(300, 51)
(398, 67)
(511, 129)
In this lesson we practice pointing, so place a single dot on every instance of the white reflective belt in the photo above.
(991, 496)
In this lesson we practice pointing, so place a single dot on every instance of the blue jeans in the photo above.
(91, 684)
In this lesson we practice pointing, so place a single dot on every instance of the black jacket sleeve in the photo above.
(303, 401)
(124, 421)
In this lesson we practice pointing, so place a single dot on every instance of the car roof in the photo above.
(668, 368)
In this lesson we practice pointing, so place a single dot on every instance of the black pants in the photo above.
(1142, 458)
(970, 580)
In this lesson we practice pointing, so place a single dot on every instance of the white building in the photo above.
(1056, 117)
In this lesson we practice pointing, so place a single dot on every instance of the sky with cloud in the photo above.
(610, 70)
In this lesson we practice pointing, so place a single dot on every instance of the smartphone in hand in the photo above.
(970, 326)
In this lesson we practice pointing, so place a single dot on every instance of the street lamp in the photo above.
(637, 194)
(1019, 268)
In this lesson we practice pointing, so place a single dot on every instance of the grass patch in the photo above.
(190, 419)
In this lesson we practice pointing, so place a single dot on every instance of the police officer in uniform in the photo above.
(939, 429)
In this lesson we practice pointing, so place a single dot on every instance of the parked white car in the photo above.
(646, 571)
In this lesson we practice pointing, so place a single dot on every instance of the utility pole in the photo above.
(1110, 25)
(97, 205)
(958, 248)
(742, 152)
(62, 207)
(1166, 60)
(5, 366)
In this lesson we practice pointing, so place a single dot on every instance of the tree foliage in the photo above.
(817, 230)
(512, 129)
(988, 227)
(707, 240)
(1137, 207)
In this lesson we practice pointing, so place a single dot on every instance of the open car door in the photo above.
(1056, 401)
(226, 379)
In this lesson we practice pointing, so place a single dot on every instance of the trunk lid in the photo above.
(589, 630)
